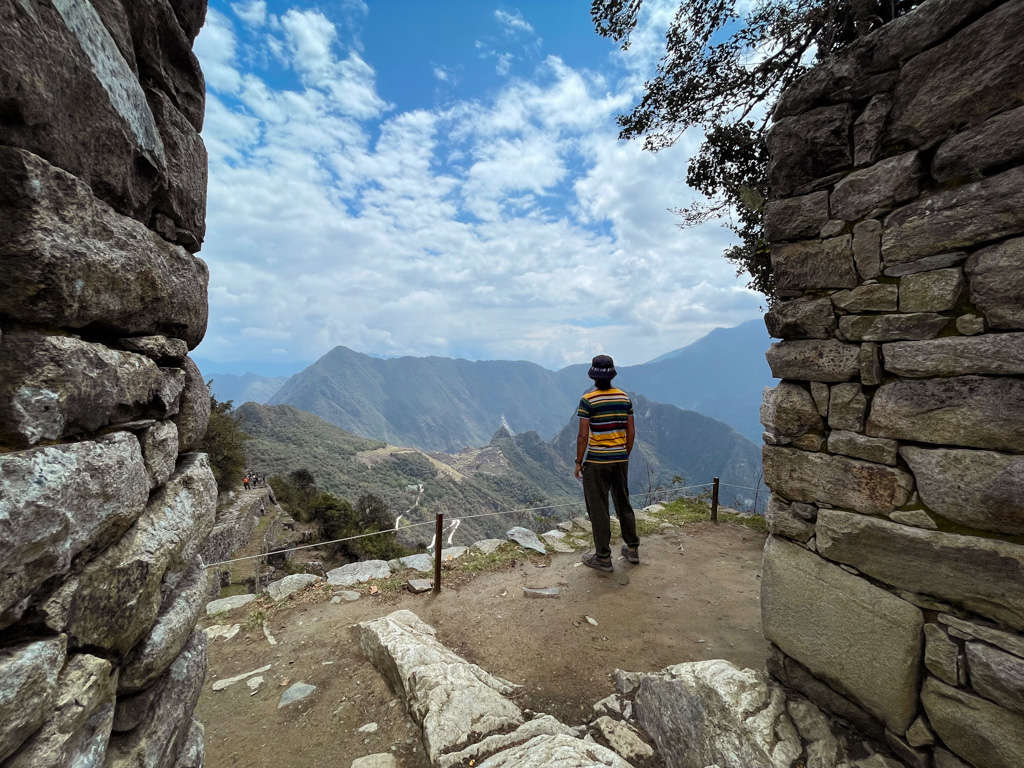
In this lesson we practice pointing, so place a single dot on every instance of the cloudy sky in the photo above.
(412, 178)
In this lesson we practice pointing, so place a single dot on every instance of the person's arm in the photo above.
(630, 434)
(581, 445)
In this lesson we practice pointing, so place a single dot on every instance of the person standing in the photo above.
(603, 445)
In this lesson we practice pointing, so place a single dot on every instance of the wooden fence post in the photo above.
(714, 502)
(439, 532)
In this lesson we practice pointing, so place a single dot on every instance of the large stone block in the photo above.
(982, 212)
(878, 297)
(883, 186)
(1008, 641)
(789, 410)
(962, 80)
(869, 129)
(998, 142)
(825, 361)
(979, 731)
(971, 411)
(165, 58)
(980, 489)
(783, 521)
(926, 264)
(59, 501)
(875, 449)
(162, 716)
(921, 325)
(804, 318)
(816, 477)
(55, 386)
(194, 414)
(810, 607)
(814, 264)
(994, 353)
(942, 655)
(182, 196)
(980, 575)
(936, 291)
(847, 406)
(77, 729)
(29, 674)
(996, 277)
(178, 613)
(70, 96)
(69, 260)
(795, 218)
(997, 675)
(867, 248)
(809, 146)
(160, 451)
(114, 602)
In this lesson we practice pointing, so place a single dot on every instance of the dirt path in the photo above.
(676, 606)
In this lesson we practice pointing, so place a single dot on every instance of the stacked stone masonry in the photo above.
(893, 587)
(104, 504)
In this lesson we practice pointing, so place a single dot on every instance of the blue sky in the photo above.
(413, 178)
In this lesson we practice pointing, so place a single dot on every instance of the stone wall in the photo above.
(103, 505)
(893, 586)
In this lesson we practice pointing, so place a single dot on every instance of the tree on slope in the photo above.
(722, 73)
(224, 443)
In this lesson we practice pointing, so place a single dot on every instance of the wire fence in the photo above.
(652, 495)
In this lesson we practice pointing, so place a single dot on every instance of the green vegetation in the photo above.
(224, 443)
(695, 510)
(722, 73)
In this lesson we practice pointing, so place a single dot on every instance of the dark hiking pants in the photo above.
(598, 481)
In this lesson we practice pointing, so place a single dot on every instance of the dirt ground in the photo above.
(694, 596)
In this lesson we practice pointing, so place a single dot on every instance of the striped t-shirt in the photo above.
(608, 411)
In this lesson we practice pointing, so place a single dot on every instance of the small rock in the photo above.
(542, 592)
(335, 600)
(220, 685)
(254, 684)
(266, 633)
(487, 546)
(227, 631)
(357, 573)
(228, 604)
(381, 760)
(368, 728)
(610, 705)
(452, 553)
(623, 739)
(289, 585)
(420, 585)
(348, 595)
(297, 692)
(526, 538)
(591, 620)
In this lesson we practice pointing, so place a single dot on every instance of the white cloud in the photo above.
(511, 227)
(513, 21)
(252, 12)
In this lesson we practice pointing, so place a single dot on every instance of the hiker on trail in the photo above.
(606, 437)
(245, 482)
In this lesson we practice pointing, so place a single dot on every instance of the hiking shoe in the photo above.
(600, 563)
(631, 553)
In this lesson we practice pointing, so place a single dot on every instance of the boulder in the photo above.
(194, 413)
(814, 360)
(847, 407)
(961, 81)
(936, 291)
(160, 451)
(809, 607)
(979, 489)
(997, 675)
(78, 727)
(289, 585)
(809, 146)
(423, 563)
(357, 573)
(157, 348)
(996, 277)
(998, 142)
(116, 598)
(228, 604)
(804, 318)
(816, 477)
(712, 712)
(971, 572)
(541, 725)
(883, 186)
(92, 118)
(783, 521)
(977, 730)
(795, 218)
(159, 720)
(57, 386)
(972, 411)
(998, 354)
(557, 750)
(73, 262)
(29, 672)
(942, 656)
(789, 410)
(59, 501)
(878, 297)
(976, 213)
(922, 325)
(178, 613)
(487, 546)
(867, 249)
(455, 702)
(193, 751)
(525, 538)
(814, 265)
(876, 449)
